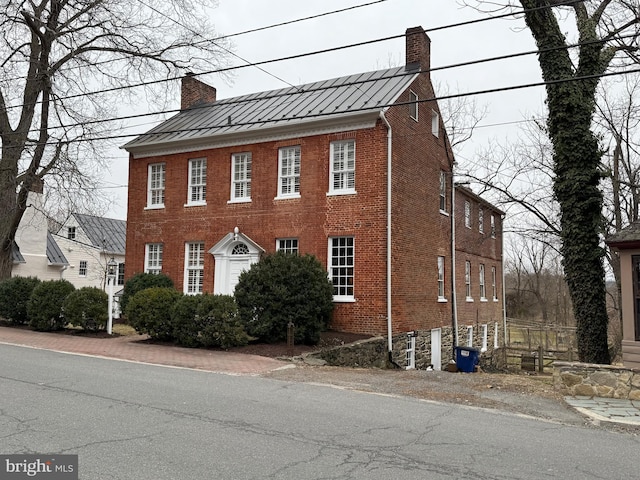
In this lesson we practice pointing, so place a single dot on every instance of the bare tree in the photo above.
(65, 67)
(607, 38)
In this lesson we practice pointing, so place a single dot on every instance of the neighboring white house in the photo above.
(78, 252)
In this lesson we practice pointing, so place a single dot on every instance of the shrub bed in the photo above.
(14, 296)
(44, 307)
(87, 308)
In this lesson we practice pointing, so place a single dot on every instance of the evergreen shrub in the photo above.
(141, 281)
(44, 307)
(149, 311)
(14, 296)
(88, 308)
(283, 288)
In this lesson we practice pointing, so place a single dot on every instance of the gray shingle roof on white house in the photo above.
(317, 105)
(106, 234)
(16, 256)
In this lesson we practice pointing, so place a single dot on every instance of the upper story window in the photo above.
(441, 279)
(341, 267)
(342, 177)
(481, 220)
(197, 192)
(289, 172)
(120, 277)
(467, 214)
(413, 106)
(153, 258)
(287, 245)
(241, 177)
(435, 123)
(71, 233)
(443, 191)
(493, 226)
(155, 185)
(82, 269)
(467, 280)
(194, 267)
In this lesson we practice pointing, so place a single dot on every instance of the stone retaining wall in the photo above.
(591, 380)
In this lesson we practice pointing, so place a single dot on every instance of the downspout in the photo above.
(504, 294)
(389, 320)
(454, 296)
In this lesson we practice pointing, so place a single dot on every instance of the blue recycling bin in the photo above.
(467, 358)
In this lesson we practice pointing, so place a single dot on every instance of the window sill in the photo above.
(341, 192)
(444, 212)
(287, 197)
(442, 300)
(469, 299)
(195, 204)
(338, 299)
(239, 200)
(495, 299)
(154, 207)
(483, 299)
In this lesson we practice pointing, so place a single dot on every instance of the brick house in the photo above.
(355, 170)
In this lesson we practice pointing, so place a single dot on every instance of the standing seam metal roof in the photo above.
(338, 97)
(107, 234)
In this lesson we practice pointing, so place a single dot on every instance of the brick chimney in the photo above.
(194, 92)
(418, 49)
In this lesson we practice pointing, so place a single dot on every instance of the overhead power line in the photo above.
(247, 99)
(362, 109)
(302, 55)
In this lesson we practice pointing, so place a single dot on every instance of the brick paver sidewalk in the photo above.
(134, 348)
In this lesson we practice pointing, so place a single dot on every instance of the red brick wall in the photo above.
(478, 248)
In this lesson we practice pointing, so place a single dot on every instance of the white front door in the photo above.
(236, 267)
(233, 254)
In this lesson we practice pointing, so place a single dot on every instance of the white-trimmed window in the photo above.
(71, 233)
(494, 288)
(155, 185)
(342, 178)
(483, 291)
(193, 267)
(435, 123)
(413, 105)
(341, 267)
(485, 337)
(120, 275)
(496, 343)
(481, 220)
(441, 296)
(241, 177)
(153, 258)
(289, 172)
(470, 336)
(443, 191)
(287, 245)
(493, 226)
(82, 268)
(467, 279)
(197, 194)
(467, 213)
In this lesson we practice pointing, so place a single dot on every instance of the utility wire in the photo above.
(362, 109)
(284, 93)
(302, 55)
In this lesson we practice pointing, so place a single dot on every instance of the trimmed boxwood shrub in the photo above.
(14, 296)
(44, 307)
(87, 308)
(208, 321)
(281, 288)
(141, 281)
(149, 311)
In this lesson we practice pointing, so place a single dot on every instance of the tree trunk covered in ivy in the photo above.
(571, 105)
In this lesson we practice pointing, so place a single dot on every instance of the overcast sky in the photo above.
(391, 17)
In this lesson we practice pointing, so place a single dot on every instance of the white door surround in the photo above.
(233, 254)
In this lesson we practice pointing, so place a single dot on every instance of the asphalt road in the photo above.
(131, 421)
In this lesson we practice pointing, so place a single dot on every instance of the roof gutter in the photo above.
(389, 164)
